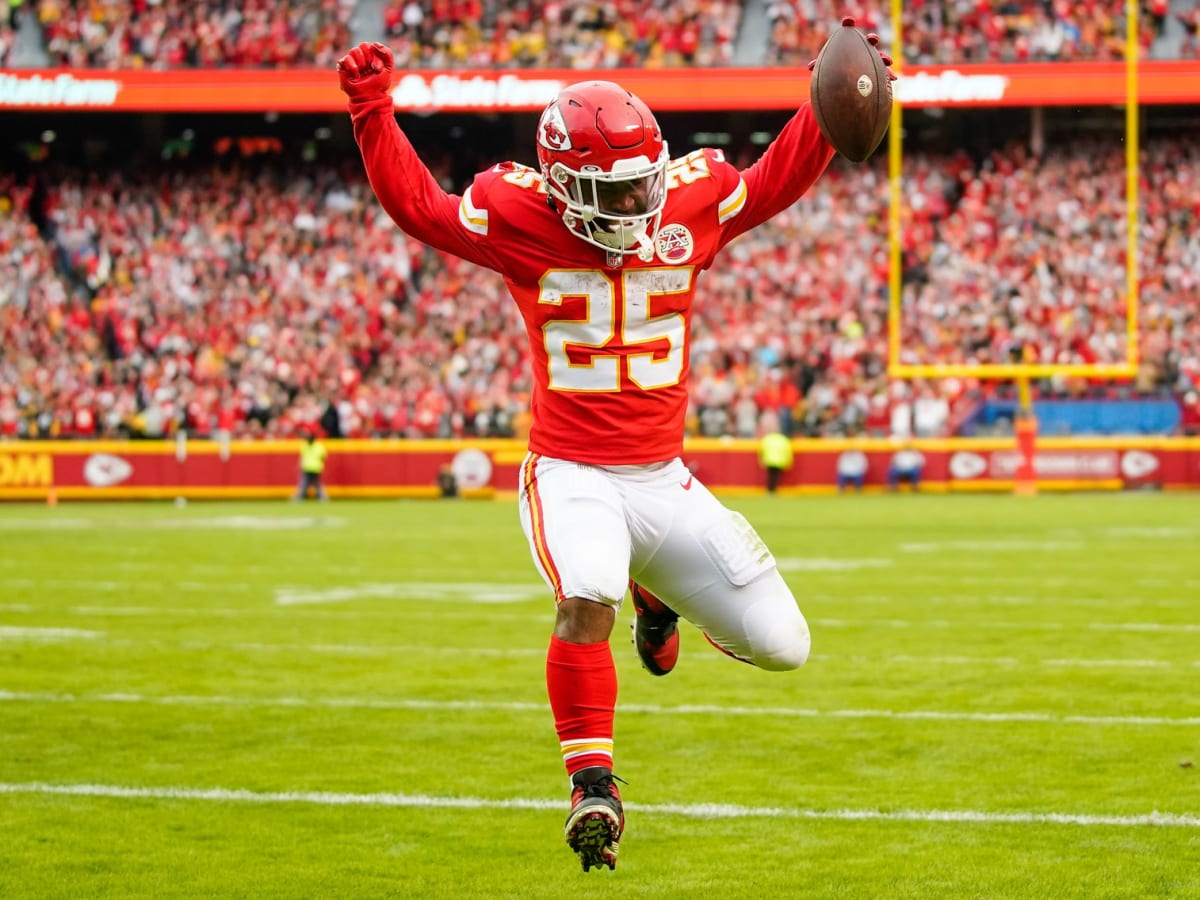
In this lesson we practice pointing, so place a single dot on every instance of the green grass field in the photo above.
(347, 700)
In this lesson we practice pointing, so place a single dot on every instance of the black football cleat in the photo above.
(655, 632)
(596, 820)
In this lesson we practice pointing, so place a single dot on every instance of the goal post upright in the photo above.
(895, 193)
(1022, 373)
(1132, 152)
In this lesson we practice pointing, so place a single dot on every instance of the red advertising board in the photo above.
(781, 87)
(203, 469)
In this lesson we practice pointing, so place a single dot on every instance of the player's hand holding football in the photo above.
(873, 40)
(851, 91)
(366, 71)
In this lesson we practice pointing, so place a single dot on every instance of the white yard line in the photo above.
(217, 523)
(696, 810)
(831, 564)
(1001, 545)
(337, 649)
(442, 611)
(35, 634)
(14, 634)
(971, 602)
(1108, 663)
(272, 611)
(422, 592)
(218, 700)
(1011, 625)
(113, 585)
(1007, 661)
(40, 635)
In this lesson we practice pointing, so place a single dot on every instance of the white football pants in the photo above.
(592, 528)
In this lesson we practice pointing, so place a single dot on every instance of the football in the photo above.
(851, 94)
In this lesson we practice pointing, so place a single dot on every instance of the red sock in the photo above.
(581, 680)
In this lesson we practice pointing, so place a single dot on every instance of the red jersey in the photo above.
(608, 333)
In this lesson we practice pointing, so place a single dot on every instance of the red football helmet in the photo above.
(595, 141)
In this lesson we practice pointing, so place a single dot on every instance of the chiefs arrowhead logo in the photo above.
(1138, 464)
(552, 130)
(965, 465)
(103, 470)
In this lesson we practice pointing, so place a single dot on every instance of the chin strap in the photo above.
(645, 246)
(587, 215)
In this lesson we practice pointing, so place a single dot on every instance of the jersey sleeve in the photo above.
(409, 193)
(780, 177)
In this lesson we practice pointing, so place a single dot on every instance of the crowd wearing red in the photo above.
(255, 301)
(585, 35)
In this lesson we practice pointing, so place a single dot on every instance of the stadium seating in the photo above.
(261, 300)
(562, 34)
(575, 34)
(189, 33)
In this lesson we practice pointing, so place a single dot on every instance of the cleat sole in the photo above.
(594, 838)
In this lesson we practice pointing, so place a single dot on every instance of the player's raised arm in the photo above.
(786, 170)
(403, 184)
(802, 150)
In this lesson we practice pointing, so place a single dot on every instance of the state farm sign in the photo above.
(417, 91)
(664, 89)
(1001, 465)
(63, 90)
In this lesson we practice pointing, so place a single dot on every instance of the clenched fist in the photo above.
(366, 71)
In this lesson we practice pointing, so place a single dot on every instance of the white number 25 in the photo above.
(602, 371)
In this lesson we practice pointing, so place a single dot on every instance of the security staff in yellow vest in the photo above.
(774, 452)
(312, 464)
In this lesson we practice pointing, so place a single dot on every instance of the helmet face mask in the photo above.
(604, 164)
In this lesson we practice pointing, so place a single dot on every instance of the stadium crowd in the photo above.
(941, 33)
(562, 33)
(257, 300)
(582, 33)
(131, 34)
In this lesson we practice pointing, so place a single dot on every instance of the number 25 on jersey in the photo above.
(598, 331)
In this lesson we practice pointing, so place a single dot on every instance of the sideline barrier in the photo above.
(195, 470)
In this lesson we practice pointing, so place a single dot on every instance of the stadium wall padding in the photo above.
(202, 469)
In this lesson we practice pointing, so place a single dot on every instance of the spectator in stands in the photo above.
(777, 396)
(930, 412)
(1189, 18)
(1189, 420)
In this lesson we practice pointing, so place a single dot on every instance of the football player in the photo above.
(601, 247)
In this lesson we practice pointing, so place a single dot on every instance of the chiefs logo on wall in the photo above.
(104, 470)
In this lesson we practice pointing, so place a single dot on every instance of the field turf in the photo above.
(347, 700)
